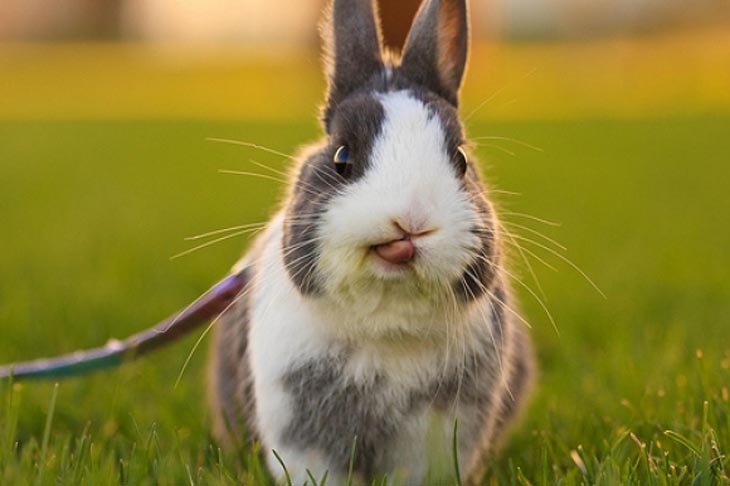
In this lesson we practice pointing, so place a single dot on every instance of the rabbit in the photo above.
(376, 304)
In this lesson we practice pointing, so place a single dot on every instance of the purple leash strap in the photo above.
(116, 352)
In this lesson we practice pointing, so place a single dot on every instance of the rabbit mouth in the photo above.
(396, 252)
(400, 251)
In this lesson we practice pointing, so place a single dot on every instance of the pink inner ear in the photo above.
(449, 32)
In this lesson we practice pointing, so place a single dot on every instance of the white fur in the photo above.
(401, 322)
(286, 330)
(411, 181)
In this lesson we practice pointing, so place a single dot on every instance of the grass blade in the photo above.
(283, 466)
(47, 435)
(351, 467)
(455, 452)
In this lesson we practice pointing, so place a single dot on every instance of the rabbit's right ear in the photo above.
(353, 55)
(436, 49)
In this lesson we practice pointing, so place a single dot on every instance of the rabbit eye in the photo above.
(461, 161)
(342, 160)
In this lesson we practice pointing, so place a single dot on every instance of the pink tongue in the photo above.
(400, 251)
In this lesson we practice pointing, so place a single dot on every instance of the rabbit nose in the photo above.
(412, 230)
(396, 252)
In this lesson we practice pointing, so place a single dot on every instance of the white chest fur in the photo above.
(313, 386)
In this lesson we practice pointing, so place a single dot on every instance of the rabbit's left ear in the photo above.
(435, 52)
(351, 34)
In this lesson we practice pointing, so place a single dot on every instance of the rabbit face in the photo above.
(405, 219)
(390, 208)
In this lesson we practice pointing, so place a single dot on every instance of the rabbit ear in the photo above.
(353, 47)
(435, 52)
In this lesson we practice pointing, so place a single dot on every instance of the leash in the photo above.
(116, 352)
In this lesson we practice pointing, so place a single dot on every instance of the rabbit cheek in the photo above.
(355, 125)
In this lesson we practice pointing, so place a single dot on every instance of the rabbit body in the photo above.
(377, 299)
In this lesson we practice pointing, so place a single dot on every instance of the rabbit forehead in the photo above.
(408, 164)
(414, 142)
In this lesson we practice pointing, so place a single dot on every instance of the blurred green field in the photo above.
(91, 210)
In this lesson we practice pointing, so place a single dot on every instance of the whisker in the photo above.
(489, 322)
(186, 309)
(268, 150)
(251, 145)
(205, 333)
(502, 191)
(498, 147)
(537, 233)
(495, 94)
(513, 140)
(252, 174)
(225, 230)
(508, 308)
(531, 217)
(524, 258)
(534, 295)
(313, 190)
(270, 169)
(209, 327)
(566, 260)
(213, 242)
(485, 103)
(318, 171)
(538, 258)
(262, 176)
(503, 304)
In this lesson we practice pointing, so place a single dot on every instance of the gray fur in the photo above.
(353, 38)
(520, 380)
(356, 123)
(436, 49)
(507, 401)
(231, 381)
(479, 275)
(330, 410)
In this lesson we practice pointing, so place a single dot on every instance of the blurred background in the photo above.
(558, 57)
(293, 22)
(603, 127)
(622, 56)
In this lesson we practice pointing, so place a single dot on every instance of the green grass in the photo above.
(633, 391)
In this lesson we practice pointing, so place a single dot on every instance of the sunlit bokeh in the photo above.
(603, 129)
